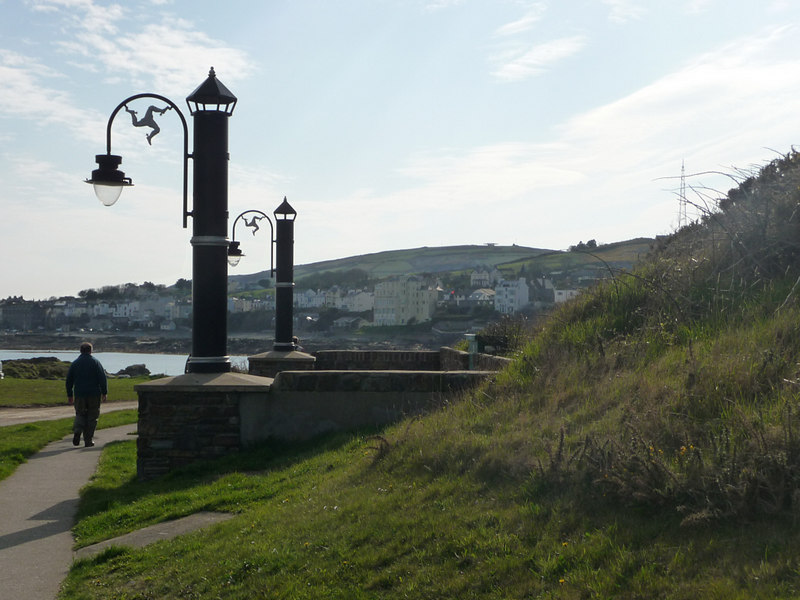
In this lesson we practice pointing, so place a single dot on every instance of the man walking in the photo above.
(87, 378)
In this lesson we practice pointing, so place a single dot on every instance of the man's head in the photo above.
(86, 348)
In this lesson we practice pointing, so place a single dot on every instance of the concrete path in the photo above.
(15, 416)
(37, 510)
(161, 531)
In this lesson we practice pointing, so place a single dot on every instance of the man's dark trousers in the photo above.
(87, 411)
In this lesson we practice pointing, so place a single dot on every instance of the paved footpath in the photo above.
(37, 510)
(15, 416)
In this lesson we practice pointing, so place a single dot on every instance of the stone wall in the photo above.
(191, 417)
(184, 427)
(444, 359)
(377, 360)
(455, 360)
(204, 416)
(303, 404)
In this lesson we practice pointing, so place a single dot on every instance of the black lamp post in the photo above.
(210, 106)
(284, 277)
(283, 257)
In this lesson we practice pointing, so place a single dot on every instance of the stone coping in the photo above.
(383, 381)
(228, 382)
(292, 355)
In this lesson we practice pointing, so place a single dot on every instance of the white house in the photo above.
(511, 296)
(357, 301)
(309, 299)
(564, 295)
(126, 310)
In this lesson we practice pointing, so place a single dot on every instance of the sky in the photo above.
(387, 124)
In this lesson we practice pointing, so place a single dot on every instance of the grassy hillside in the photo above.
(412, 261)
(644, 444)
(606, 260)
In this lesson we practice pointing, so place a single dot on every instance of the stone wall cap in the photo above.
(294, 355)
(209, 381)
(317, 372)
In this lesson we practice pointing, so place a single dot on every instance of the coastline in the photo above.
(240, 344)
(103, 342)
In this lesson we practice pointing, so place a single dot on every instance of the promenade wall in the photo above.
(204, 416)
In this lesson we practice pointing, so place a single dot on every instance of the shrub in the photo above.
(36, 368)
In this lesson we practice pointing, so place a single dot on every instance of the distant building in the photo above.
(309, 299)
(356, 301)
(482, 297)
(564, 295)
(480, 279)
(401, 300)
(20, 314)
(511, 296)
(484, 278)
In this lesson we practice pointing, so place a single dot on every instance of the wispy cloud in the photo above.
(521, 62)
(433, 5)
(163, 51)
(525, 23)
(24, 78)
(624, 11)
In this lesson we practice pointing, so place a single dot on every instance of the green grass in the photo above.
(353, 518)
(51, 392)
(18, 442)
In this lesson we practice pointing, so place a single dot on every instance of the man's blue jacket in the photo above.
(87, 376)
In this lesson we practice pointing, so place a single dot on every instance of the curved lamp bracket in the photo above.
(234, 253)
(172, 105)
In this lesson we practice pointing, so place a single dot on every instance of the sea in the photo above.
(113, 362)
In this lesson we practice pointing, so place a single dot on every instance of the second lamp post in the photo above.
(282, 256)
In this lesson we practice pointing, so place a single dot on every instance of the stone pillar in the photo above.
(192, 417)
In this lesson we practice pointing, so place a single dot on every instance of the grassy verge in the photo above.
(355, 518)
(18, 442)
(51, 392)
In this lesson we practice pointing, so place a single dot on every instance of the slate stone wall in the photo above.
(177, 428)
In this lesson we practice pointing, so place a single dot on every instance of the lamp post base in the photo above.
(208, 364)
(269, 364)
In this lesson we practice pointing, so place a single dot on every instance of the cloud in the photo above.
(22, 78)
(520, 62)
(624, 11)
(533, 16)
(164, 51)
(434, 5)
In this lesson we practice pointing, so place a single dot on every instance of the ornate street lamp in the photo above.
(282, 253)
(210, 106)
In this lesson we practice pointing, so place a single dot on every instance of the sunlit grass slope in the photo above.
(644, 444)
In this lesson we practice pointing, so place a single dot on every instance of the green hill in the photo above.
(412, 261)
(644, 444)
(455, 259)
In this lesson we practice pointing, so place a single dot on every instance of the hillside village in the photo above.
(485, 291)
(402, 300)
